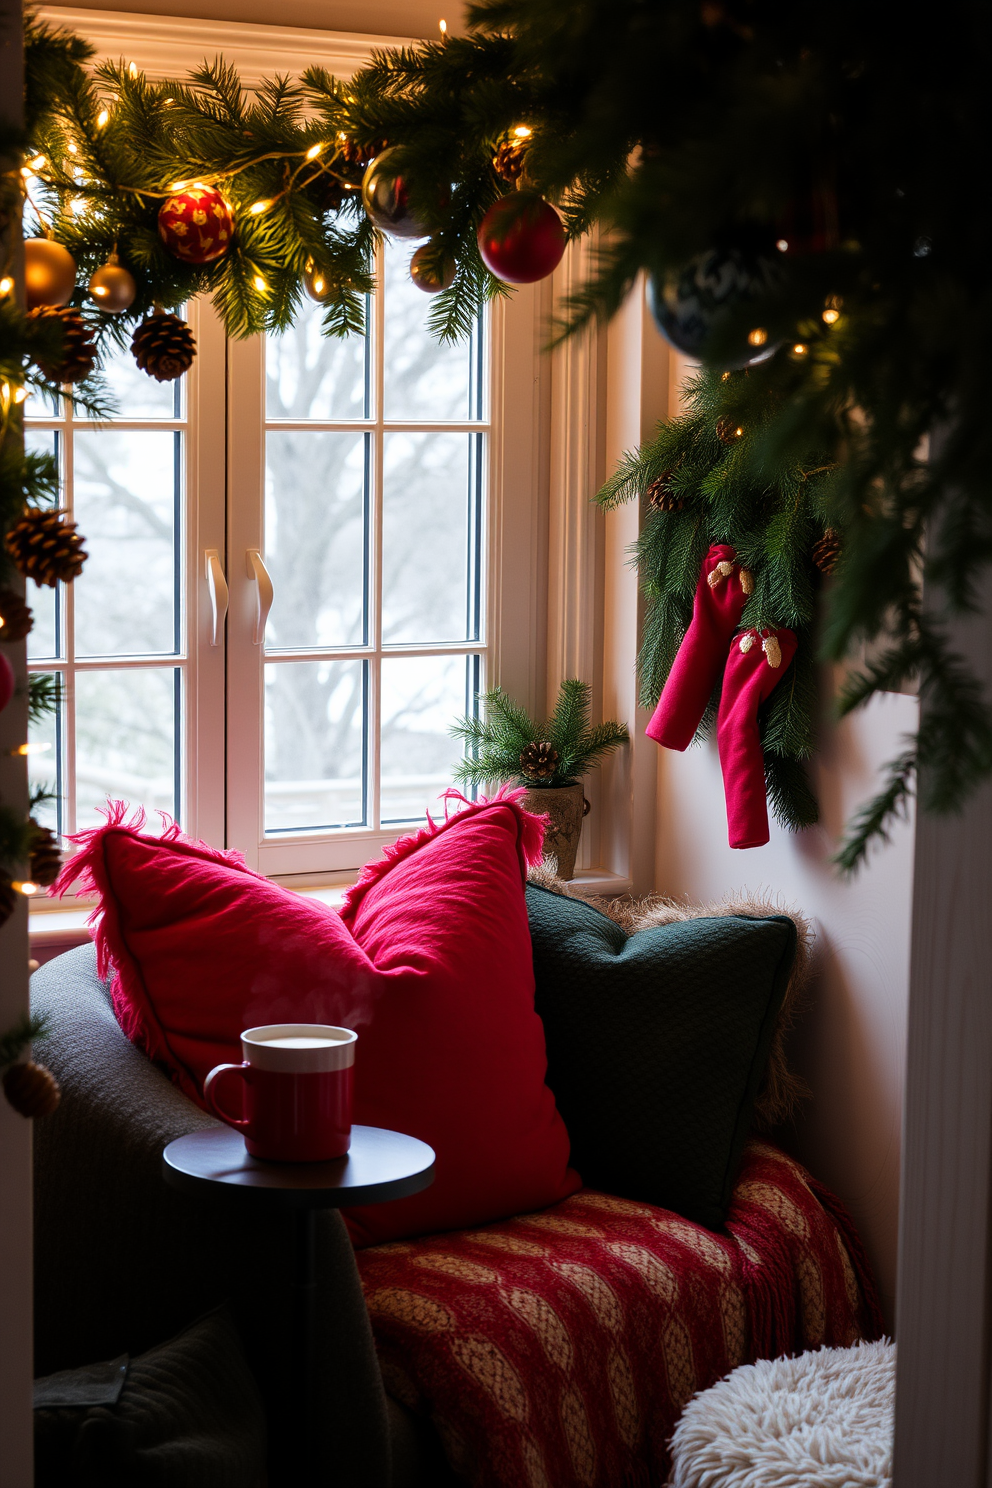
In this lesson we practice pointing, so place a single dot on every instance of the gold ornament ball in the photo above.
(49, 273)
(318, 284)
(423, 271)
(112, 287)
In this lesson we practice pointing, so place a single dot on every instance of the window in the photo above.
(367, 515)
(372, 534)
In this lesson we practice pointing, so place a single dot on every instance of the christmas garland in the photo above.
(792, 215)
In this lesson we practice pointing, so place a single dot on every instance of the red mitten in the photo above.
(756, 664)
(716, 612)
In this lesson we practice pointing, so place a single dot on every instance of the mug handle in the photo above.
(210, 1093)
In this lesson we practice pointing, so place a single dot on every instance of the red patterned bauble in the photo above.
(196, 224)
(521, 238)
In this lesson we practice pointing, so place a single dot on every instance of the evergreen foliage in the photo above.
(855, 132)
(495, 741)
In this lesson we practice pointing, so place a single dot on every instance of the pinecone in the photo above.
(728, 430)
(31, 1089)
(78, 356)
(163, 346)
(8, 897)
(17, 617)
(661, 497)
(46, 856)
(538, 761)
(826, 553)
(46, 547)
(508, 162)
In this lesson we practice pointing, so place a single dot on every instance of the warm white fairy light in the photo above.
(522, 131)
(102, 118)
(6, 285)
(132, 70)
(757, 337)
(314, 151)
(782, 245)
(257, 207)
(260, 284)
(442, 26)
(33, 747)
(26, 887)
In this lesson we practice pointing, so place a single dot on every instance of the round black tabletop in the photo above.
(380, 1165)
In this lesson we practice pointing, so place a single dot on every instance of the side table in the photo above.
(379, 1166)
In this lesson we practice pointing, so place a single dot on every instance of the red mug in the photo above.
(296, 1083)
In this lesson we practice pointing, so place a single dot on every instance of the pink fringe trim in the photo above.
(87, 870)
(530, 839)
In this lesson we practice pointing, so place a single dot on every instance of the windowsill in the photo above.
(67, 927)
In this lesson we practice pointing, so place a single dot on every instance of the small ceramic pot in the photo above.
(566, 806)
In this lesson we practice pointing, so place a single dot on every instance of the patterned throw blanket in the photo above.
(557, 1350)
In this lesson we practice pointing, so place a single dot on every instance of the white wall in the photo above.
(851, 1046)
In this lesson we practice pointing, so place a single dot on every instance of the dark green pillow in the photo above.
(657, 1043)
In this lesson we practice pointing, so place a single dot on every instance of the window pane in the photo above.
(430, 538)
(125, 499)
(43, 637)
(314, 745)
(316, 538)
(45, 767)
(421, 698)
(126, 742)
(308, 375)
(422, 379)
(134, 394)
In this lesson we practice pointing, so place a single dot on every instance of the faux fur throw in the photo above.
(824, 1420)
(781, 1089)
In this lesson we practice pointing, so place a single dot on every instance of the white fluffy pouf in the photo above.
(823, 1420)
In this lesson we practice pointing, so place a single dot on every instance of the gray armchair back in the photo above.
(123, 1261)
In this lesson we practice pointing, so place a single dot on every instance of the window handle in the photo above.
(258, 572)
(217, 586)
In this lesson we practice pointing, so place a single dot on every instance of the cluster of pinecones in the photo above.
(46, 547)
(538, 760)
(163, 346)
(508, 161)
(77, 357)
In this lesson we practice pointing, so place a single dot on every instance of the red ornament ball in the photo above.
(196, 224)
(521, 238)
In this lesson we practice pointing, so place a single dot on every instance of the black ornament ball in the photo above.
(686, 307)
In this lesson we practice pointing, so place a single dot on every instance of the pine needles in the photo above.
(495, 742)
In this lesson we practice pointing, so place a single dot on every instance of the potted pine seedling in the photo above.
(504, 744)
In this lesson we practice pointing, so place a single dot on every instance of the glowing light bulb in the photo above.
(442, 26)
(73, 149)
(6, 285)
(799, 350)
(26, 887)
(259, 206)
(314, 151)
(522, 131)
(132, 70)
(831, 316)
(102, 118)
(757, 337)
(319, 284)
(260, 284)
(782, 245)
(34, 747)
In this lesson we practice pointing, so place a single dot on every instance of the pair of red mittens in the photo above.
(752, 666)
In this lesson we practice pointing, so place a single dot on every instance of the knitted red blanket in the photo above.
(557, 1350)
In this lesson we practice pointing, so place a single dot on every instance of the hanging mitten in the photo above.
(720, 596)
(757, 663)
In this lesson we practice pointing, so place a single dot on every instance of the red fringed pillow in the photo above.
(430, 961)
